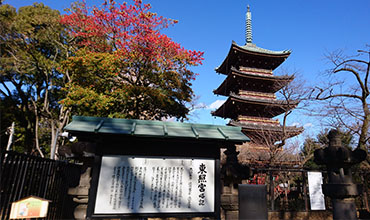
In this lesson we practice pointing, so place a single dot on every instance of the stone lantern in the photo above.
(340, 187)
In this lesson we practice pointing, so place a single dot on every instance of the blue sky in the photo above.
(309, 28)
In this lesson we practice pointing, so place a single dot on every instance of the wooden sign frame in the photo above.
(157, 149)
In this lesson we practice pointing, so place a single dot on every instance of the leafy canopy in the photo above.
(124, 65)
(31, 50)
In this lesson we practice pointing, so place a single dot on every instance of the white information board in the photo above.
(317, 199)
(130, 184)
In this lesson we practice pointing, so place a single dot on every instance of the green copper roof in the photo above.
(253, 48)
(252, 56)
(155, 129)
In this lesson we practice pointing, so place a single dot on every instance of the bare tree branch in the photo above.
(346, 103)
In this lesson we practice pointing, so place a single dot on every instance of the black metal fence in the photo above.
(24, 175)
(287, 188)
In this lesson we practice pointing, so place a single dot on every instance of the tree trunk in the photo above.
(29, 137)
(364, 128)
(37, 145)
(53, 143)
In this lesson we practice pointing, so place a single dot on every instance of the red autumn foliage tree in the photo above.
(124, 66)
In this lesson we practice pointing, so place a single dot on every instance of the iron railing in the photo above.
(24, 175)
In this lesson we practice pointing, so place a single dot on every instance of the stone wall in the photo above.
(312, 215)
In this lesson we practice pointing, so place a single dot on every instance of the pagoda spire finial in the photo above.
(248, 26)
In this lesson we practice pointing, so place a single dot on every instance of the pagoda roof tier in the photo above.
(259, 156)
(253, 81)
(259, 133)
(261, 127)
(252, 56)
(237, 105)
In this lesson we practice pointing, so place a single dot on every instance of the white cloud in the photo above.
(296, 124)
(216, 104)
(168, 119)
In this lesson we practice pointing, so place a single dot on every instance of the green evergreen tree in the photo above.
(31, 49)
(321, 141)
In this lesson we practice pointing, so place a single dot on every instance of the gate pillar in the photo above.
(232, 174)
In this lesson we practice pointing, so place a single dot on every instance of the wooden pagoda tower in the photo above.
(251, 86)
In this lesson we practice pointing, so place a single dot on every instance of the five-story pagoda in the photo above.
(251, 86)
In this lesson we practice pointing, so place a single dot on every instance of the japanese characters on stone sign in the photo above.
(130, 184)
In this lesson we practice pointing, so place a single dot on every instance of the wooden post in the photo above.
(304, 190)
(272, 196)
